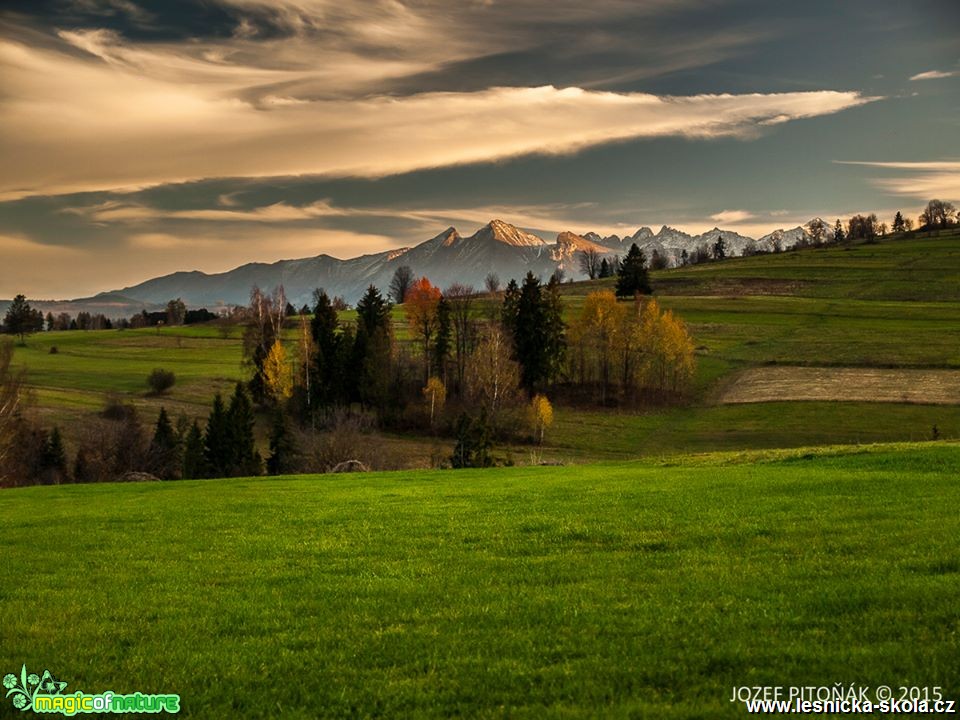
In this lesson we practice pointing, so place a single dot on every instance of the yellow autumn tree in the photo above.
(663, 350)
(276, 373)
(435, 395)
(541, 416)
(678, 349)
(596, 336)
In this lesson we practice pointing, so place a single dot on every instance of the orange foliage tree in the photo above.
(420, 305)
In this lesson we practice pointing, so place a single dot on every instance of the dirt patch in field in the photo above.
(770, 384)
(728, 287)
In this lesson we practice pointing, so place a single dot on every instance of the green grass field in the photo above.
(611, 591)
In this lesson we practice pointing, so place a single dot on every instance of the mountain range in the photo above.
(449, 257)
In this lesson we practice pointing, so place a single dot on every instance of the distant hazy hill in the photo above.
(497, 247)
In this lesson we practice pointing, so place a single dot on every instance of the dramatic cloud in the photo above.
(934, 75)
(120, 117)
(922, 181)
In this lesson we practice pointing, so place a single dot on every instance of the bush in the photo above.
(161, 380)
(116, 409)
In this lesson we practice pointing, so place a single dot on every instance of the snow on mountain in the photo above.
(782, 239)
(449, 257)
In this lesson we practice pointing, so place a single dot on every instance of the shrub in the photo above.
(160, 380)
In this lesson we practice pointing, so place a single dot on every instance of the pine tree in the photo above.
(838, 235)
(373, 311)
(325, 329)
(164, 453)
(604, 269)
(21, 319)
(898, 224)
(367, 372)
(632, 277)
(194, 461)
(82, 472)
(473, 442)
(283, 449)
(532, 315)
(53, 462)
(217, 451)
(244, 460)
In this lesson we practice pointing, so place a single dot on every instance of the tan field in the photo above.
(766, 384)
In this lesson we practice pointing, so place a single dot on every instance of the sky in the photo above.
(142, 137)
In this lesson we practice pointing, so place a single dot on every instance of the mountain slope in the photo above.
(497, 247)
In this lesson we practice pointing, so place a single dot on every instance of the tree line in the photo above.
(476, 368)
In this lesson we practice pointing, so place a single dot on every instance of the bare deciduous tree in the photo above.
(461, 301)
(590, 260)
(403, 280)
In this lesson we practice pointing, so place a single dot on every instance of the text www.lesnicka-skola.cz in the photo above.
(844, 700)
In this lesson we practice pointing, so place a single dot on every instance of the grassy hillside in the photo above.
(632, 590)
(891, 304)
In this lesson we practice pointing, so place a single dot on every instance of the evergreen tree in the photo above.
(719, 249)
(217, 452)
(368, 362)
(244, 459)
(325, 329)
(898, 224)
(283, 450)
(605, 269)
(194, 461)
(53, 463)
(632, 277)
(21, 319)
(531, 313)
(554, 330)
(373, 311)
(82, 472)
(838, 235)
(473, 442)
(164, 453)
(511, 300)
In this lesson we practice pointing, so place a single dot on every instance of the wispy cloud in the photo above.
(732, 216)
(934, 74)
(113, 211)
(126, 117)
(922, 180)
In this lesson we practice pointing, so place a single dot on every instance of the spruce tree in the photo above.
(194, 461)
(898, 224)
(283, 449)
(217, 450)
(21, 319)
(632, 276)
(838, 235)
(244, 459)
(373, 311)
(325, 330)
(532, 315)
(164, 453)
(53, 463)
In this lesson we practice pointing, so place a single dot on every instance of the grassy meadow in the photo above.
(606, 591)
